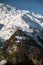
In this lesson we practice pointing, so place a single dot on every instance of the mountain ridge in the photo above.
(14, 19)
(21, 36)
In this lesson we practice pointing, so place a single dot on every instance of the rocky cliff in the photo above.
(21, 49)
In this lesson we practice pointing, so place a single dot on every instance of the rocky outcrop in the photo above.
(21, 49)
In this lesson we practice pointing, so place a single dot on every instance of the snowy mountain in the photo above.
(21, 31)
(12, 19)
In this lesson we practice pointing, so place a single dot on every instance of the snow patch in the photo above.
(3, 62)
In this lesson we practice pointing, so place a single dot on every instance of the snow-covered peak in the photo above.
(12, 19)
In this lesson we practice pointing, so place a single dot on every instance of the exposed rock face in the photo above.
(20, 49)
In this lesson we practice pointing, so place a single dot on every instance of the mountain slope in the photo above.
(21, 49)
(12, 19)
(21, 36)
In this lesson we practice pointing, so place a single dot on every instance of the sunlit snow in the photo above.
(12, 19)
